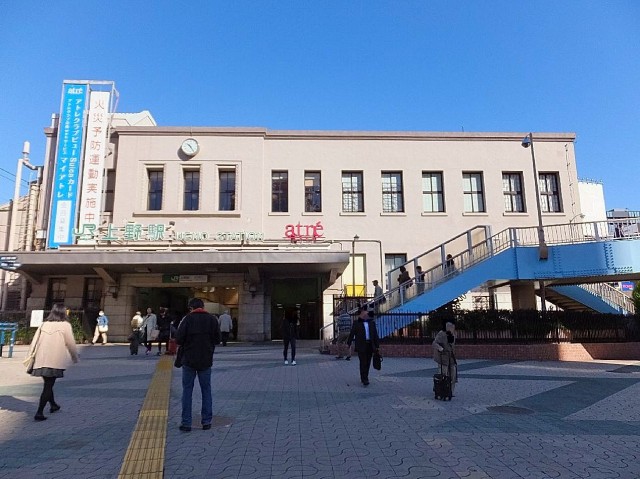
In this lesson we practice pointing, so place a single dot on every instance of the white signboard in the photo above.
(37, 316)
(93, 164)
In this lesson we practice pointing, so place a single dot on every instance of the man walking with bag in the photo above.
(197, 336)
(365, 334)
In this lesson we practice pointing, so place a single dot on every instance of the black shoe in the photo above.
(348, 358)
(185, 428)
(366, 383)
(54, 407)
(206, 427)
(40, 417)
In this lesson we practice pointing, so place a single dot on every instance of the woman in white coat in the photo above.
(149, 327)
(53, 346)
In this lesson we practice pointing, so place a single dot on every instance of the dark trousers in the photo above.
(291, 341)
(47, 394)
(225, 337)
(365, 362)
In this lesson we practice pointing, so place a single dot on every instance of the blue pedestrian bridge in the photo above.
(578, 261)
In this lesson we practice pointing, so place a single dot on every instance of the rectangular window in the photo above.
(432, 192)
(109, 191)
(549, 193)
(56, 291)
(156, 183)
(191, 190)
(352, 192)
(92, 293)
(392, 194)
(393, 261)
(512, 192)
(227, 187)
(312, 192)
(473, 193)
(279, 191)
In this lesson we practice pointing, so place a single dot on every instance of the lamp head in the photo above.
(526, 141)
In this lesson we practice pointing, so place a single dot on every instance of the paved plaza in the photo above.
(315, 420)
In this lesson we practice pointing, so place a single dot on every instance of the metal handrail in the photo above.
(611, 295)
(569, 233)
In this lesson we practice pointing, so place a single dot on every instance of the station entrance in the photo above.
(301, 297)
(216, 300)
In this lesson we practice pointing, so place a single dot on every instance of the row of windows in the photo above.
(392, 192)
(432, 192)
(191, 189)
(91, 295)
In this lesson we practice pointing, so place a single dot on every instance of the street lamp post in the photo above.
(543, 250)
(353, 263)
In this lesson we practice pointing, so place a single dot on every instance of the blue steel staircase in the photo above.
(578, 253)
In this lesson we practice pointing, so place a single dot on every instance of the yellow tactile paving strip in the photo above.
(145, 455)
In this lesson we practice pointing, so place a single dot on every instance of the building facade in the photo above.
(270, 223)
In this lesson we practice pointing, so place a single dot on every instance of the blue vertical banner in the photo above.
(64, 196)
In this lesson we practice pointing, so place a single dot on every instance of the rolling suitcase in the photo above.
(442, 385)
(173, 346)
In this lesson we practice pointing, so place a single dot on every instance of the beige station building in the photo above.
(261, 222)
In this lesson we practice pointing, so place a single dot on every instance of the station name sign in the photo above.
(138, 232)
(133, 231)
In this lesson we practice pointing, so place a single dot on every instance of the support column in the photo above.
(523, 295)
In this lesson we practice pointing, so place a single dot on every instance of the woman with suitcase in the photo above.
(444, 384)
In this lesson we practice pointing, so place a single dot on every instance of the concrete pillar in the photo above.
(523, 295)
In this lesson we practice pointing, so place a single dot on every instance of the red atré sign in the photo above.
(304, 232)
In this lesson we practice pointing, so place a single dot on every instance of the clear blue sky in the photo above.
(553, 66)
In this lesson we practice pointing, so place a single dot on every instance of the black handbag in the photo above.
(179, 354)
(377, 361)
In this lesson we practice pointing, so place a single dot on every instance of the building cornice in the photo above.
(337, 134)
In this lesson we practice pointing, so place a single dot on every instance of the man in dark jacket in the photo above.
(198, 335)
(366, 337)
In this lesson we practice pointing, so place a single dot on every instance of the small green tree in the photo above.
(635, 296)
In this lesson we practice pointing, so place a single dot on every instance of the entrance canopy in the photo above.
(110, 264)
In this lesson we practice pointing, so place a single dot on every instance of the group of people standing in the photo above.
(152, 328)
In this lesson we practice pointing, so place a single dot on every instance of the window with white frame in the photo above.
(352, 192)
(392, 194)
(227, 189)
(473, 192)
(512, 192)
(279, 191)
(432, 192)
(155, 182)
(191, 190)
(549, 193)
(312, 192)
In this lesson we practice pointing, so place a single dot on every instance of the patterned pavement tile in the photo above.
(508, 420)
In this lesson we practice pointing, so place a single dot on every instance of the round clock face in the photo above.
(190, 147)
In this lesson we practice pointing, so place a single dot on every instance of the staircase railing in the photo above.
(611, 295)
(445, 269)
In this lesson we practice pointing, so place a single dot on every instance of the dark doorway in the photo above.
(301, 296)
(176, 299)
